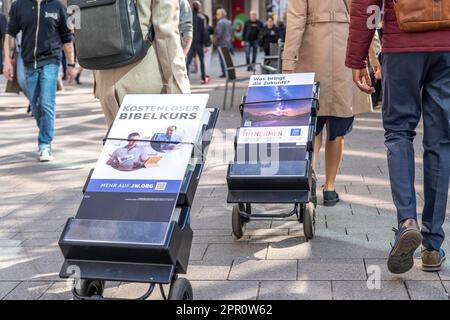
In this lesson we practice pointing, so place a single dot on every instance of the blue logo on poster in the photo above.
(296, 132)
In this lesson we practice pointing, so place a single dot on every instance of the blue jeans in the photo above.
(41, 88)
(21, 74)
(416, 84)
(199, 50)
(251, 48)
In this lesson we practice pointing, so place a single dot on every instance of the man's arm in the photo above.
(8, 70)
(296, 25)
(220, 30)
(359, 40)
(165, 20)
(186, 25)
(67, 39)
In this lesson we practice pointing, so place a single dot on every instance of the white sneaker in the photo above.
(45, 155)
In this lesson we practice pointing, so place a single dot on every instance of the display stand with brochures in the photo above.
(274, 150)
(133, 224)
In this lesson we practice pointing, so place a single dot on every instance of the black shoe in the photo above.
(77, 79)
(330, 198)
(407, 239)
(313, 189)
(29, 109)
(223, 76)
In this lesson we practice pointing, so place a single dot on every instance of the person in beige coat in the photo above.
(316, 41)
(163, 70)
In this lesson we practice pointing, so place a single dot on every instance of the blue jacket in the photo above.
(44, 28)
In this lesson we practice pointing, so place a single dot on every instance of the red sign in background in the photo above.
(238, 19)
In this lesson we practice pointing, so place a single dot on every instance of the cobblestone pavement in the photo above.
(272, 261)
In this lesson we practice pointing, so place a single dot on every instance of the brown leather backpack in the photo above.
(422, 15)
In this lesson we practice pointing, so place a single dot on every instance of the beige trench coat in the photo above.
(316, 41)
(163, 70)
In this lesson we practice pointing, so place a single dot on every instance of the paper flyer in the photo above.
(144, 160)
(150, 144)
(277, 109)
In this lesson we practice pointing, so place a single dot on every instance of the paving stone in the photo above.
(208, 271)
(295, 290)
(426, 290)
(59, 290)
(322, 249)
(358, 290)
(414, 274)
(198, 251)
(225, 290)
(229, 252)
(6, 287)
(337, 269)
(28, 290)
(444, 274)
(219, 239)
(264, 270)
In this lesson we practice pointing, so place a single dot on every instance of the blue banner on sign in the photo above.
(134, 186)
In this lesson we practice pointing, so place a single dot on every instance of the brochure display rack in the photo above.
(274, 148)
(133, 224)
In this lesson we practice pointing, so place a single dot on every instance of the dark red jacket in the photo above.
(394, 40)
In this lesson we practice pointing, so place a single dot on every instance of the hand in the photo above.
(71, 74)
(243, 43)
(206, 50)
(8, 70)
(377, 72)
(362, 79)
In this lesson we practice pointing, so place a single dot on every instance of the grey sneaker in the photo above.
(407, 239)
(432, 260)
(45, 155)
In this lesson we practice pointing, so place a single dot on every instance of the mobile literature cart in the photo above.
(274, 149)
(133, 223)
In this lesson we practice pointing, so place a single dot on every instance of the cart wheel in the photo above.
(309, 221)
(90, 288)
(181, 289)
(237, 223)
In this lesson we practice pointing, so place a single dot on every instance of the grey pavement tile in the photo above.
(28, 290)
(327, 269)
(229, 252)
(59, 290)
(295, 290)
(219, 239)
(198, 251)
(10, 243)
(274, 238)
(446, 285)
(200, 270)
(414, 274)
(444, 274)
(212, 232)
(358, 290)
(225, 290)
(6, 287)
(267, 232)
(426, 290)
(323, 248)
(264, 270)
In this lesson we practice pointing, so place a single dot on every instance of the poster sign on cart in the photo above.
(143, 163)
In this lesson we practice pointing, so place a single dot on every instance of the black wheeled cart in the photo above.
(107, 241)
(290, 183)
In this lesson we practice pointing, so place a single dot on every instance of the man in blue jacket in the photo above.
(44, 35)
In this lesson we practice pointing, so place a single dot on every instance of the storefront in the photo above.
(237, 12)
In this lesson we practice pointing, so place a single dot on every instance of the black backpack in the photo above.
(110, 34)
